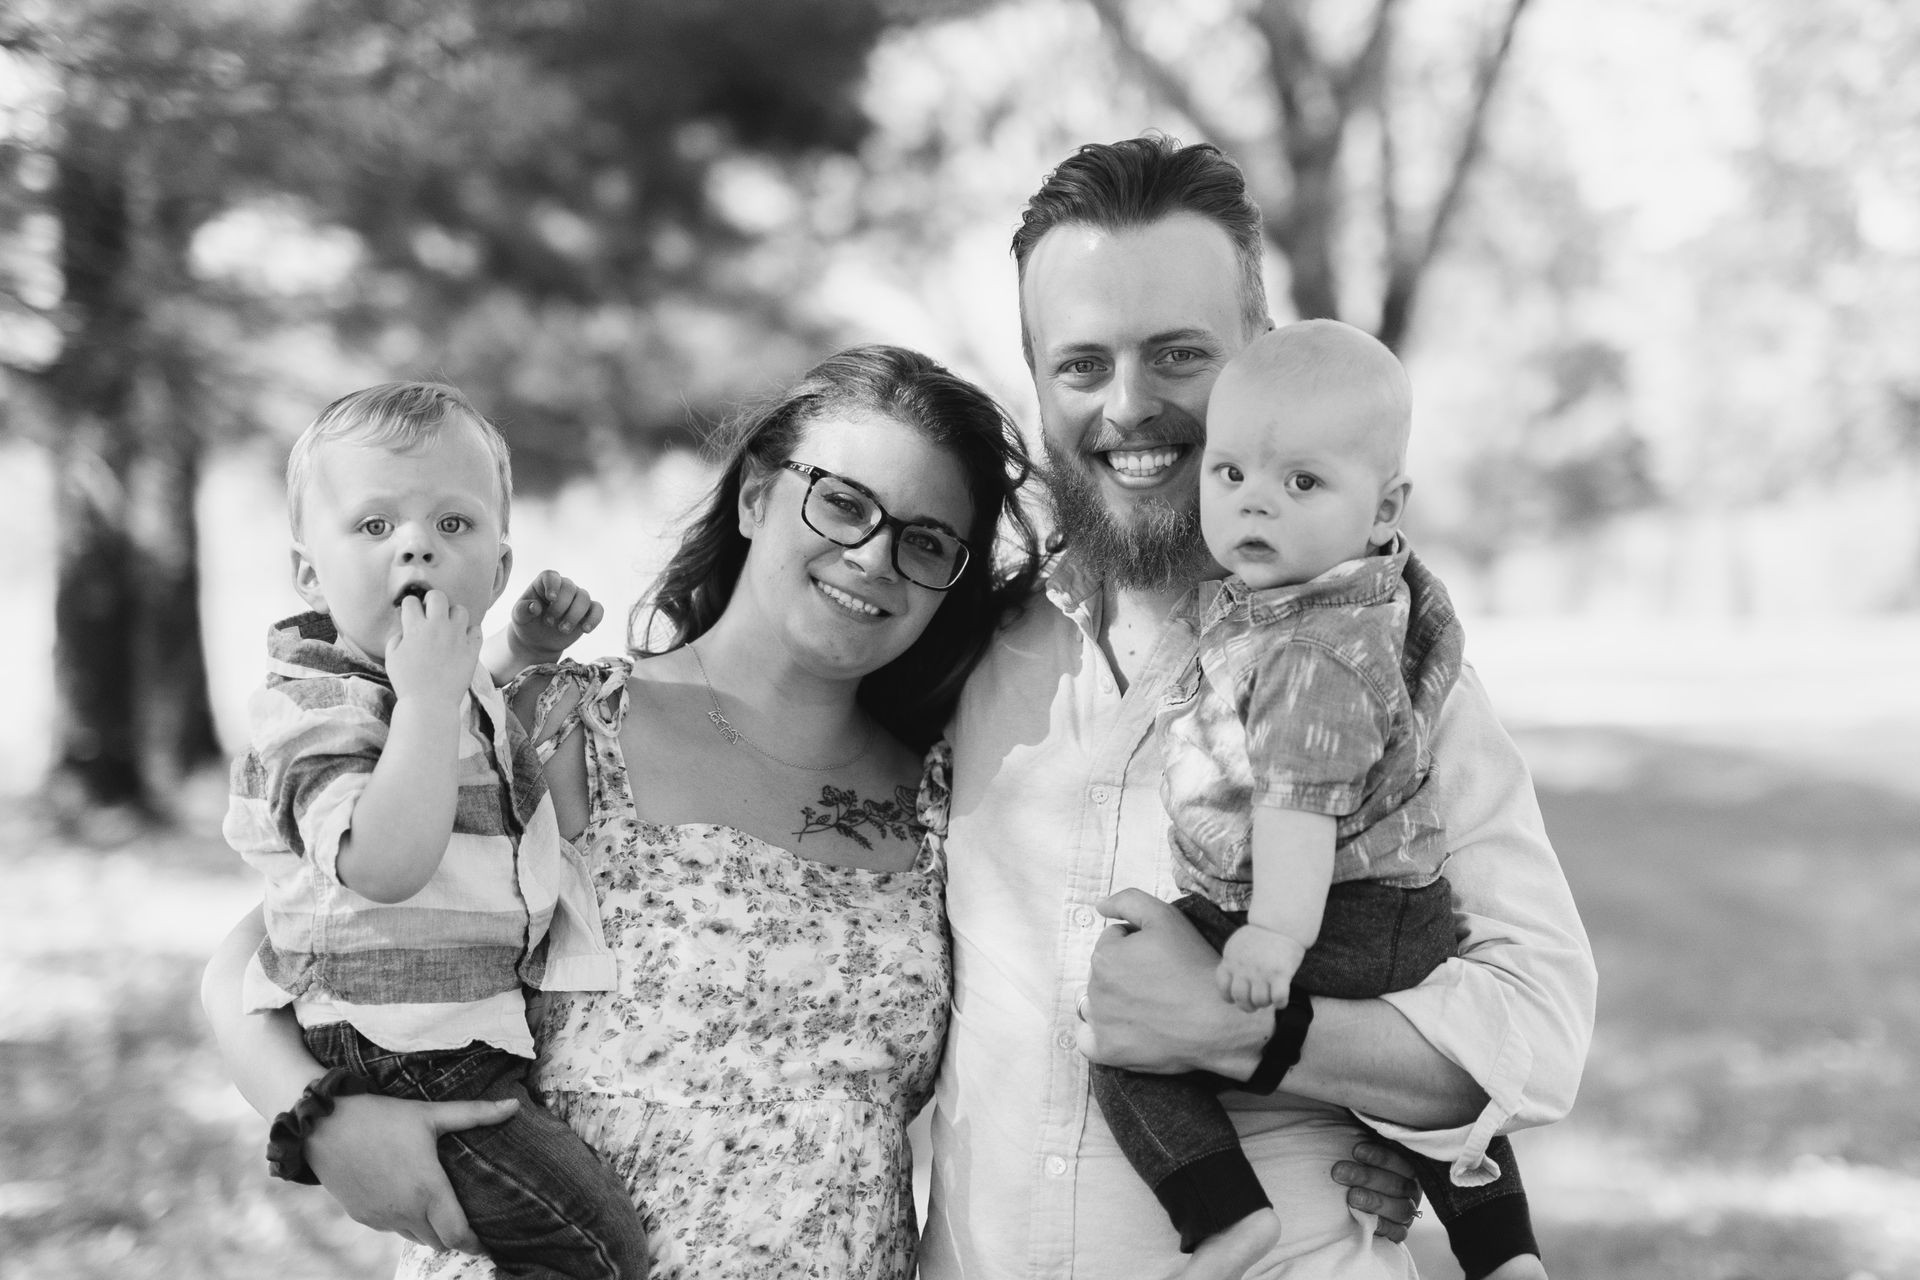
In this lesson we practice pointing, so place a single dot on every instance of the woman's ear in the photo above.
(1393, 506)
(755, 483)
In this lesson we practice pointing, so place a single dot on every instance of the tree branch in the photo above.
(1407, 268)
(1158, 75)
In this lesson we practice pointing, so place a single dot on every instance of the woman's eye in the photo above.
(846, 504)
(925, 540)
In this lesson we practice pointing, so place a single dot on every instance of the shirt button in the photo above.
(1083, 916)
(1064, 1039)
(1099, 795)
(1056, 1166)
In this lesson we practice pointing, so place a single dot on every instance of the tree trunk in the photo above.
(95, 617)
(132, 712)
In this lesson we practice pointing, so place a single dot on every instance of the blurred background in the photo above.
(1654, 266)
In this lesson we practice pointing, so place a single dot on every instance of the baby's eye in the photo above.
(1230, 473)
(376, 526)
(455, 524)
(1301, 482)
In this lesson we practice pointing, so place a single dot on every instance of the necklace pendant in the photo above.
(727, 731)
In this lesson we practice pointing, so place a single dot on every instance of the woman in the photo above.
(767, 841)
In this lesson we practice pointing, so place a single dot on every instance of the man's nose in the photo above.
(1131, 398)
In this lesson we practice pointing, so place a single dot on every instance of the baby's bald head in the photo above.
(1311, 359)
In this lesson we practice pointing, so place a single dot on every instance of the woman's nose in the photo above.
(875, 555)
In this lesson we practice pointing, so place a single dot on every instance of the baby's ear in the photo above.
(306, 580)
(1392, 508)
(500, 575)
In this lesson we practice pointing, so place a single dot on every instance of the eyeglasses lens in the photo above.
(928, 556)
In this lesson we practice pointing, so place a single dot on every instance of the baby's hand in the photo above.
(1257, 966)
(435, 651)
(551, 614)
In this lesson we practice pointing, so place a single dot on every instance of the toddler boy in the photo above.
(1295, 760)
(415, 879)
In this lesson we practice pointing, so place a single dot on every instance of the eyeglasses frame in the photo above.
(888, 521)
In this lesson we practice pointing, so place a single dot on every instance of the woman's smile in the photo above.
(851, 603)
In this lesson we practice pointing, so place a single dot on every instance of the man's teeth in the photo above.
(1142, 462)
(841, 597)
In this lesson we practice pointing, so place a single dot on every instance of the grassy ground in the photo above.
(1749, 1111)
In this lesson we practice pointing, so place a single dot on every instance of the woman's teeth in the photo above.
(1141, 463)
(842, 598)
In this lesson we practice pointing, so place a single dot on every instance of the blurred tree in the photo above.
(547, 165)
(1337, 79)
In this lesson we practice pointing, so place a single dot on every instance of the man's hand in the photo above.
(433, 654)
(1152, 1003)
(552, 613)
(377, 1157)
(1257, 967)
(1379, 1180)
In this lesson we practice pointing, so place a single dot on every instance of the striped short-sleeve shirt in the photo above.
(510, 904)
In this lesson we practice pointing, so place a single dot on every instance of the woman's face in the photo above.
(842, 612)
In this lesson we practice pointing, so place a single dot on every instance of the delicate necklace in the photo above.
(726, 730)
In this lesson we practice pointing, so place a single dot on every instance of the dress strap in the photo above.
(574, 695)
(934, 803)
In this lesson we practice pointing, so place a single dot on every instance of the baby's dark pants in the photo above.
(1374, 938)
(543, 1203)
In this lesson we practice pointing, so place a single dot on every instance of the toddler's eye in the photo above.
(454, 524)
(1301, 482)
(1230, 473)
(375, 526)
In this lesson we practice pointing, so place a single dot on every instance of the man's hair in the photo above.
(398, 417)
(1137, 182)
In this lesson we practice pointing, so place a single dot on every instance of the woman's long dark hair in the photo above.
(913, 695)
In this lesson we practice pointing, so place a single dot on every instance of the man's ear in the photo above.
(306, 580)
(1393, 506)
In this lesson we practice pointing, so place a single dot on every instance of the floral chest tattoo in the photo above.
(849, 815)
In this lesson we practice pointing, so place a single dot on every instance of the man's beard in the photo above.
(1158, 546)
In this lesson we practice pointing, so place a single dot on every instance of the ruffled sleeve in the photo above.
(572, 694)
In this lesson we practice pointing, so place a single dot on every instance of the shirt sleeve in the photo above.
(1315, 727)
(317, 743)
(1515, 1006)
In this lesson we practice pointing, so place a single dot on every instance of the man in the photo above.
(1140, 277)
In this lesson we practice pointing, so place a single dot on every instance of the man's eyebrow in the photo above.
(1194, 334)
(1200, 335)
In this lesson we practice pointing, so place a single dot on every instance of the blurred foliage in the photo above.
(527, 198)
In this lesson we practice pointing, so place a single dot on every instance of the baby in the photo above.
(415, 880)
(1295, 763)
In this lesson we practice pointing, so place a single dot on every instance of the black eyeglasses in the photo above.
(843, 512)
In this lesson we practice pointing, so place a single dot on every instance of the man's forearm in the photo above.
(1366, 1056)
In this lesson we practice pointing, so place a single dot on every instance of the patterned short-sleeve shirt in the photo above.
(1297, 700)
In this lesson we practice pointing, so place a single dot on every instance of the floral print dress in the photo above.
(776, 1024)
